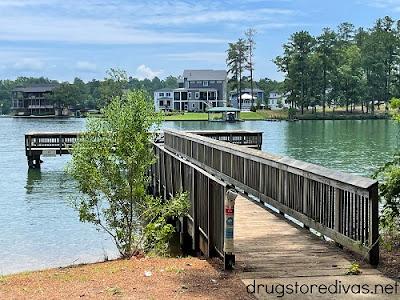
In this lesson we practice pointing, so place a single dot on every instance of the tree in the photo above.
(325, 50)
(236, 61)
(171, 82)
(113, 85)
(389, 190)
(65, 95)
(110, 162)
(296, 64)
(250, 60)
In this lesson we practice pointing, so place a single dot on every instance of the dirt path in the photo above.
(148, 278)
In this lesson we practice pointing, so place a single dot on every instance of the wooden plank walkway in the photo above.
(271, 250)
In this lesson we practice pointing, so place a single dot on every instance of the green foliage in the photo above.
(395, 105)
(93, 94)
(389, 191)
(291, 113)
(237, 60)
(157, 231)
(66, 95)
(110, 162)
(346, 67)
(354, 269)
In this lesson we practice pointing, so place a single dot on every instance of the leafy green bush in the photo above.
(110, 163)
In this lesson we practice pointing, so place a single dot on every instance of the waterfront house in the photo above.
(197, 91)
(33, 100)
(245, 99)
(276, 100)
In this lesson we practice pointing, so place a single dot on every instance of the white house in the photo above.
(198, 90)
(276, 100)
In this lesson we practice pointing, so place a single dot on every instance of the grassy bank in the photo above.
(147, 278)
(338, 114)
(247, 115)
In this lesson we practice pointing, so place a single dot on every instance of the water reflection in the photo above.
(34, 175)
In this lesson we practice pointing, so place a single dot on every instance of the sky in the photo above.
(63, 39)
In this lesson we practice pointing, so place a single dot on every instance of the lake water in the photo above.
(39, 229)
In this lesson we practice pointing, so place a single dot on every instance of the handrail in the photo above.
(341, 206)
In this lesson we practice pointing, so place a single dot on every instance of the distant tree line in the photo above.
(91, 94)
(348, 67)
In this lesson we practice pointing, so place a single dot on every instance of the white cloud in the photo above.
(85, 66)
(29, 64)
(216, 16)
(144, 71)
(197, 56)
(391, 4)
(89, 31)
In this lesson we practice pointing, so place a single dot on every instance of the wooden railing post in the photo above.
(336, 209)
(305, 196)
(373, 225)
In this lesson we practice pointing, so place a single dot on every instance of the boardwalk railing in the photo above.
(204, 227)
(341, 206)
(251, 139)
(48, 143)
(53, 143)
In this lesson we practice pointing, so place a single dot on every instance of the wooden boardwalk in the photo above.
(272, 250)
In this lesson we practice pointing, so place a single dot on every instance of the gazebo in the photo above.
(223, 114)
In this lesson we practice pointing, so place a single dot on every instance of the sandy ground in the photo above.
(145, 278)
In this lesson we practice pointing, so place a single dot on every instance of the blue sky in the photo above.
(61, 39)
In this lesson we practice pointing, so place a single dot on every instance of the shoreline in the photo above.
(137, 278)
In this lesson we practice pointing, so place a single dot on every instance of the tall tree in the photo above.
(251, 44)
(236, 61)
(325, 49)
(296, 64)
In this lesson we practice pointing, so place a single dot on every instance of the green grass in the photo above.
(189, 116)
(248, 115)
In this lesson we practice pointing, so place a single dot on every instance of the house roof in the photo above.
(205, 74)
(36, 88)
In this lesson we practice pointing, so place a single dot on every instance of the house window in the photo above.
(184, 96)
(161, 103)
(197, 95)
(168, 94)
(205, 83)
(212, 81)
(161, 94)
(189, 95)
(192, 105)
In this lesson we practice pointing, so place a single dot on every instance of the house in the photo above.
(245, 99)
(276, 100)
(33, 100)
(197, 90)
(164, 99)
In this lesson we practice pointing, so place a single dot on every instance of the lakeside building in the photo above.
(197, 90)
(245, 99)
(33, 100)
(277, 100)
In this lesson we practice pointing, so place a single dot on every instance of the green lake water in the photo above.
(39, 229)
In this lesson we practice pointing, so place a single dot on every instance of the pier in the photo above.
(268, 216)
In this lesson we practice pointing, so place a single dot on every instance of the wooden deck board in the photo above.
(271, 250)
